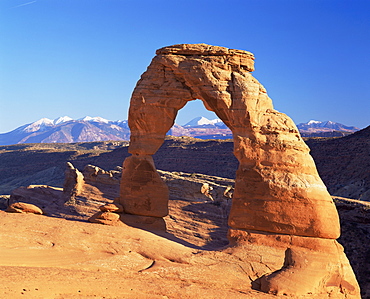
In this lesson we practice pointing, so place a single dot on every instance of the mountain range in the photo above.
(67, 130)
(87, 129)
(315, 128)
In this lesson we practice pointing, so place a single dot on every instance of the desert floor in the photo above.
(48, 257)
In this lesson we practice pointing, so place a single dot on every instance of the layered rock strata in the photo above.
(279, 196)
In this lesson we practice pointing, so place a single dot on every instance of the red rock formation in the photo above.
(73, 183)
(21, 207)
(279, 196)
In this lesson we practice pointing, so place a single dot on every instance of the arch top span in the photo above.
(218, 76)
(241, 58)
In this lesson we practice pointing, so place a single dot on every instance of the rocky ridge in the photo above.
(344, 164)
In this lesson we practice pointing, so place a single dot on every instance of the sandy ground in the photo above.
(46, 257)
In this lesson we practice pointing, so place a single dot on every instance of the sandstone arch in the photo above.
(279, 197)
(277, 185)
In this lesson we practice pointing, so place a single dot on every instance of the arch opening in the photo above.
(194, 120)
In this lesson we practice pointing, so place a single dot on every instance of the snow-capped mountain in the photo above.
(202, 127)
(202, 121)
(96, 119)
(324, 129)
(42, 124)
(61, 119)
(65, 130)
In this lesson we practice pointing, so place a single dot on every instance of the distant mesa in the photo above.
(67, 130)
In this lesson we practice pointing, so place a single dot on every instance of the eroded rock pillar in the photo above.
(153, 108)
(143, 193)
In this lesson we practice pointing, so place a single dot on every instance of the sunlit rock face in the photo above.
(277, 186)
(278, 191)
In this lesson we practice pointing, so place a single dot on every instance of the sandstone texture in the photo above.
(112, 207)
(279, 200)
(47, 198)
(143, 181)
(83, 192)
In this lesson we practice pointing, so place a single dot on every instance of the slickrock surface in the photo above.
(43, 257)
(194, 221)
(279, 201)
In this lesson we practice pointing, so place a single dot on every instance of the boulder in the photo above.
(48, 198)
(107, 218)
(4, 201)
(111, 207)
(21, 207)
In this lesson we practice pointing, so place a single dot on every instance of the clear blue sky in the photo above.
(84, 57)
